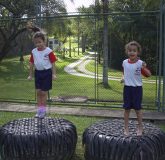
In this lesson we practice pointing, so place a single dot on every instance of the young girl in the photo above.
(43, 60)
(133, 68)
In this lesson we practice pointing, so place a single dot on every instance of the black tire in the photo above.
(38, 139)
(105, 140)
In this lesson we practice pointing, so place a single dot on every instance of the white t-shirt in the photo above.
(132, 73)
(41, 58)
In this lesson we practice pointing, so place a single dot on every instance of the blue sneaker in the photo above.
(41, 113)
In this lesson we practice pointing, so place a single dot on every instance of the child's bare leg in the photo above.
(44, 98)
(39, 97)
(126, 121)
(140, 125)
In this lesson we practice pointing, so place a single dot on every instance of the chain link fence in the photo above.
(77, 40)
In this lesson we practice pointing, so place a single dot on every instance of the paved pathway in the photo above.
(81, 111)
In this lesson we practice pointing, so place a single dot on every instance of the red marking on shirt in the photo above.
(52, 58)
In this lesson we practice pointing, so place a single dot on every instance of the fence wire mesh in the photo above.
(77, 40)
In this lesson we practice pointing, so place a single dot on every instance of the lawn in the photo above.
(80, 122)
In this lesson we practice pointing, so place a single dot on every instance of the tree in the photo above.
(139, 26)
(83, 27)
(13, 23)
(105, 44)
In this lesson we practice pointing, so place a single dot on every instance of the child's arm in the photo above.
(53, 59)
(30, 71)
(145, 71)
(122, 78)
(53, 71)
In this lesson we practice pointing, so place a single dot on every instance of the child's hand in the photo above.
(122, 80)
(29, 78)
(54, 77)
(144, 64)
(145, 71)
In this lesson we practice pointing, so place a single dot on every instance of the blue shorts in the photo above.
(43, 79)
(132, 97)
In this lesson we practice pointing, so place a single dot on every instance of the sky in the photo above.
(71, 7)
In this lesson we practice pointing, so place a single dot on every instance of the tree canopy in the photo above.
(15, 14)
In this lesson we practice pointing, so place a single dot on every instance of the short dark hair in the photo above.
(134, 43)
(39, 35)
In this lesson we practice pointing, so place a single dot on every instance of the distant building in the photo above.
(55, 44)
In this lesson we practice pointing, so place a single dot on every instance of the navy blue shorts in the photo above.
(132, 97)
(43, 79)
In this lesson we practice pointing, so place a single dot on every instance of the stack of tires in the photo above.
(105, 140)
(38, 139)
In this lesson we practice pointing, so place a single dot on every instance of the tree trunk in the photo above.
(78, 36)
(70, 48)
(4, 51)
(105, 44)
(7, 45)
(84, 38)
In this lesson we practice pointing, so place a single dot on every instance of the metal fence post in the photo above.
(163, 25)
(160, 59)
(38, 12)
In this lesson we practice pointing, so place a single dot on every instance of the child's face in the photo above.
(39, 43)
(132, 52)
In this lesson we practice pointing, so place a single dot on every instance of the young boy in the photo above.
(132, 94)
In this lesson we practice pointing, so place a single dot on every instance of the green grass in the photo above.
(80, 122)
(162, 126)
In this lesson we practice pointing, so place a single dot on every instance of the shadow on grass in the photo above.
(108, 87)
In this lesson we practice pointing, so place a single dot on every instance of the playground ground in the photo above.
(152, 116)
